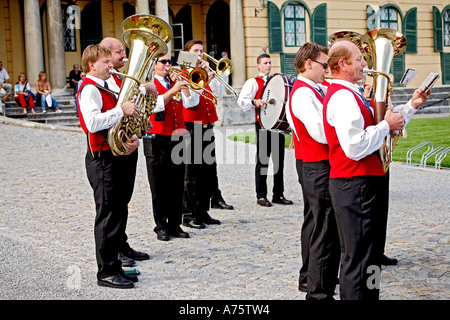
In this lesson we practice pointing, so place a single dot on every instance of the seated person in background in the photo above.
(44, 90)
(23, 94)
(74, 77)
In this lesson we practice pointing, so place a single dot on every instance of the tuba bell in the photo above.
(382, 45)
(146, 36)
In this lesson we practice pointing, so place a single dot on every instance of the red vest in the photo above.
(173, 122)
(311, 150)
(204, 112)
(260, 81)
(341, 165)
(96, 139)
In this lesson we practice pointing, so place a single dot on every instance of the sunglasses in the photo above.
(324, 65)
(164, 61)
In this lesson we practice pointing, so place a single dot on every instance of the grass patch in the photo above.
(434, 130)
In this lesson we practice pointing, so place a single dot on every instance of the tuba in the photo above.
(382, 45)
(146, 36)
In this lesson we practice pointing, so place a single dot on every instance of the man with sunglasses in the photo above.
(166, 174)
(319, 236)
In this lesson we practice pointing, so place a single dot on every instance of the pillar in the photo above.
(34, 54)
(56, 52)
(237, 44)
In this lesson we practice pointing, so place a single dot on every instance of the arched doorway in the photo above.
(218, 29)
(91, 28)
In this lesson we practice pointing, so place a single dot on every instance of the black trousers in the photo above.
(269, 143)
(358, 206)
(200, 169)
(307, 227)
(112, 180)
(324, 247)
(166, 179)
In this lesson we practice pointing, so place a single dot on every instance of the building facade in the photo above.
(50, 35)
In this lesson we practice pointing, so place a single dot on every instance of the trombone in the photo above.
(197, 79)
(224, 67)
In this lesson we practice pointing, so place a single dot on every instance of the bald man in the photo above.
(357, 175)
(128, 162)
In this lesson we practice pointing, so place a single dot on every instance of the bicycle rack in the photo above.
(425, 157)
(410, 151)
(440, 156)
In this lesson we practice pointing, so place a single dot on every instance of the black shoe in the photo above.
(209, 220)
(264, 202)
(386, 261)
(220, 204)
(281, 200)
(135, 255)
(162, 235)
(193, 224)
(116, 281)
(178, 233)
(126, 262)
(129, 277)
(303, 287)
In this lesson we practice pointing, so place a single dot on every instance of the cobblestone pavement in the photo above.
(47, 215)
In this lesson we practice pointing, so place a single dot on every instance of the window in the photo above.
(178, 37)
(294, 25)
(446, 16)
(68, 18)
(388, 18)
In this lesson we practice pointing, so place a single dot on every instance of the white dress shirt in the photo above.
(248, 92)
(188, 102)
(343, 113)
(91, 104)
(308, 109)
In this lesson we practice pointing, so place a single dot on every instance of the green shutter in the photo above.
(437, 19)
(398, 68)
(319, 25)
(371, 18)
(275, 32)
(287, 64)
(411, 30)
(445, 65)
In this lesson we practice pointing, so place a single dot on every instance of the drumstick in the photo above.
(271, 101)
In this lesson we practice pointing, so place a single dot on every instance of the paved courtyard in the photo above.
(47, 214)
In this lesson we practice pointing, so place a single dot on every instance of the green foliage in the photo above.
(435, 130)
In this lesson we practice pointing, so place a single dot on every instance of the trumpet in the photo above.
(197, 79)
(224, 67)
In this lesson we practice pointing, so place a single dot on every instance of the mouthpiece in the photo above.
(113, 71)
(125, 60)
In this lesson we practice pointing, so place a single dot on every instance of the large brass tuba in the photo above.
(382, 45)
(146, 37)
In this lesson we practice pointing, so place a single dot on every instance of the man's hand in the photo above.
(131, 145)
(150, 88)
(258, 103)
(149, 127)
(179, 85)
(395, 120)
(130, 109)
(419, 97)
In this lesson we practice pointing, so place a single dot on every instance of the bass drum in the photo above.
(272, 116)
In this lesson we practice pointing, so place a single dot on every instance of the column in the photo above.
(142, 7)
(56, 52)
(237, 44)
(162, 11)
(34, 54)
